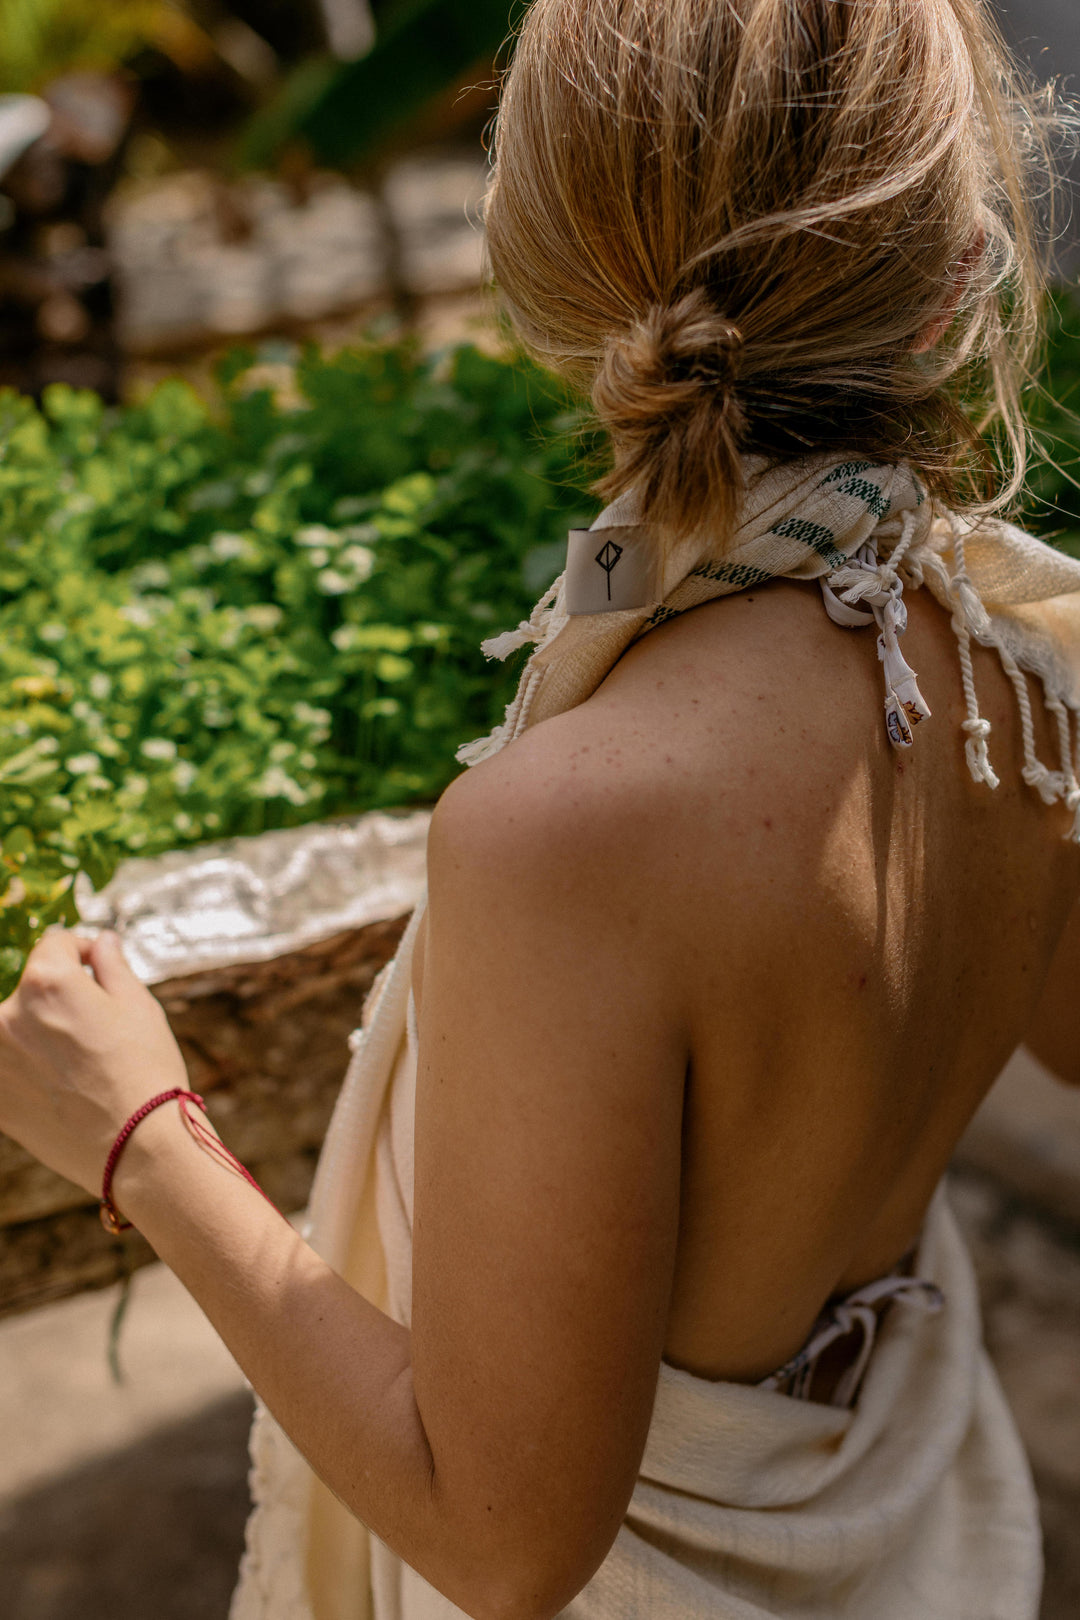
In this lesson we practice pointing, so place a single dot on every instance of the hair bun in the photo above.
(666, 391)
(674, 350)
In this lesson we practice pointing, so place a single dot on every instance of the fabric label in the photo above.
(611, 570)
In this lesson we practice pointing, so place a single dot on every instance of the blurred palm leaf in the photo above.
(345, 111)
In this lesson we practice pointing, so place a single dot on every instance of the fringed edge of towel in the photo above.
(970, 620)
(863, 582)
(533, 630)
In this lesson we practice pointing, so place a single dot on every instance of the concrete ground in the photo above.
(120, 1503)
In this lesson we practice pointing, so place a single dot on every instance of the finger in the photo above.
(85, 943)
(57, 948)
(112, 969)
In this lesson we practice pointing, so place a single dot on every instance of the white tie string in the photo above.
(863, 579)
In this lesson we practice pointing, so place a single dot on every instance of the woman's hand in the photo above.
(78, 1054)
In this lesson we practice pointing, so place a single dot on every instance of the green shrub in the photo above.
(213, 622)
(1054, 485)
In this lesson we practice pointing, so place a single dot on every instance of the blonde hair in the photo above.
(737, 223)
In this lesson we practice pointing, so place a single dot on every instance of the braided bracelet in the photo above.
(111, 1218)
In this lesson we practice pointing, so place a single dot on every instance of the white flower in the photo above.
(82, 764)
(264, 615)
(47, 745)
(308, 715)
(227, 546)
(182, 821)
(135, 785)
(158, 748)
(52, 632)
(319, 558)
(331, 583)
(345, 637)
(139, 613)
(315, 534)
(153, 573)
(183, 774)
(361, 559)
(282, 751)
(100, 686)
(277, 784)
(217, 716)
(100, 784)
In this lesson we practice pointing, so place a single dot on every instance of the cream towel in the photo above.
(916, 1505)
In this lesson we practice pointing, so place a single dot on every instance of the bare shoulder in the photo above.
(573, 801)
(682, 761)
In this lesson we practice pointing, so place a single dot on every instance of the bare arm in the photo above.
(1054, 1035)
(494, 1445)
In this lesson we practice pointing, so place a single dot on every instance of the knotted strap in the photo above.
(863, 579)
(860, 1310)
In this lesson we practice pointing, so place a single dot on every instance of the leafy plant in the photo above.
(347, 111)
(1054, 409)
(44, 38)
(216, 622)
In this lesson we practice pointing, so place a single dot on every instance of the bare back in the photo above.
(867, 932)
(860, 937)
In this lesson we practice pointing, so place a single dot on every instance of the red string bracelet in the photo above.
(111, 1218)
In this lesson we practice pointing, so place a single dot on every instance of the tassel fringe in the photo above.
(530, 630)
(861, 592)
(970, 618)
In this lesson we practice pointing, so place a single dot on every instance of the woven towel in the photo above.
(750, 1505)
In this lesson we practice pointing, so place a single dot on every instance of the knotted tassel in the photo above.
(529, 630)
(508, 641)
(1070, 794)
(474, 753)
(1049, 785)
(977, 753)
(969, 616)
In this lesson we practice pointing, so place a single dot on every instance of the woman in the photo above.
(632, 1293)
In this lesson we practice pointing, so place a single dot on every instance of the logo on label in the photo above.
(608, 557)
(897, 726)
